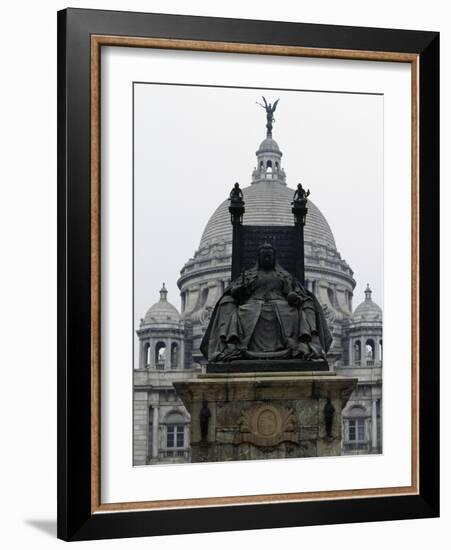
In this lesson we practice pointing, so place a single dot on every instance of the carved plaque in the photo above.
(267, 425)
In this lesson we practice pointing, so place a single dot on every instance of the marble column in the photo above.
(181, 357)
(351, 352)
(374, 424)
(155, 430)
(167, 359)
(142, 358)
(363, 351)
(152, 358)
(377, 354)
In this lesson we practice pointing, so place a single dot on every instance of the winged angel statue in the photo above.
(270, 110)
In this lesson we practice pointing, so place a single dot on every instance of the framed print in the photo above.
(248, 274)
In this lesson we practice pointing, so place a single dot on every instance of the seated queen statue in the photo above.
(266, 314)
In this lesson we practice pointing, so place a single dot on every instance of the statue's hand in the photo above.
(293, 299)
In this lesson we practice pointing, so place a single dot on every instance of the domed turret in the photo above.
(164, 356)
(365, 333)
(162, 312)
(161, 336)
(367, 310)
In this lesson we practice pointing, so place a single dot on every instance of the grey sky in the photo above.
(192, 143)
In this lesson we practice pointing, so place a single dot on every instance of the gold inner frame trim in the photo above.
(97, 41)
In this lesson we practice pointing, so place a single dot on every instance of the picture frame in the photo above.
(81, 35)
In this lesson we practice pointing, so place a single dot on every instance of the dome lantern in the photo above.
(269, 155)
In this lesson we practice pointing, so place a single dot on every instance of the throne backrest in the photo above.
(287, 240)
(282, 237)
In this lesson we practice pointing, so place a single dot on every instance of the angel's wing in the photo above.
(275, 105)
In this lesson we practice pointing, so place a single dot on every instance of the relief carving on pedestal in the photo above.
(267, 425)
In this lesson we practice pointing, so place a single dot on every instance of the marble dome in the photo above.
(367, 310)
(269, 145)
(268, 204)
(162, 312)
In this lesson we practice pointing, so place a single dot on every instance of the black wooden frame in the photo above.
(75, 519)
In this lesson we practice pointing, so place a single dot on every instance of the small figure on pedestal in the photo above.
(204, 419)
(329, 411)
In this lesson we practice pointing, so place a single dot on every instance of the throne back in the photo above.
(287, 240)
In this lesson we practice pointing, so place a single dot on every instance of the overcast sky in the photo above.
(192, 143)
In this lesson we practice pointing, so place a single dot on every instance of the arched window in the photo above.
(174, 355)
(381, 350)
(331, 296)
(268, 167)
(160, 355)
(203, 297)
(357, 352)
(147, 354)
(370, 349)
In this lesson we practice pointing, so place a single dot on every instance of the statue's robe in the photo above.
(254, 320)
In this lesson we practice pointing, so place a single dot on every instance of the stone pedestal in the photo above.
(265, 415)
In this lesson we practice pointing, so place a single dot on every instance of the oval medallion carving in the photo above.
(267, 425)
(267, 422)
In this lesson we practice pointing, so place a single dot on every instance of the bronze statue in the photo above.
(300, 195)
(270, 109)
(236, 195)
(266, 314)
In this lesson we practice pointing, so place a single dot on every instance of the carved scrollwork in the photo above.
(267, 425)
